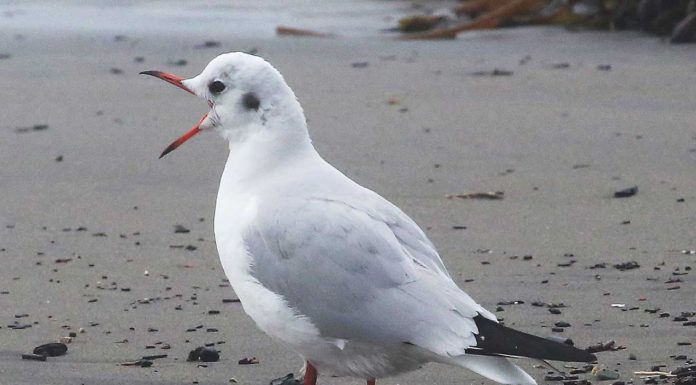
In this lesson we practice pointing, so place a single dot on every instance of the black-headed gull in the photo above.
(330, 268)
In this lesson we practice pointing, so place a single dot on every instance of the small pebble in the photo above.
(179, 229)
(627, 192)
(248, 361)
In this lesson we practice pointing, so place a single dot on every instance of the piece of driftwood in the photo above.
(476, 7)
(491, 195)
(487, 20)
(282, 30)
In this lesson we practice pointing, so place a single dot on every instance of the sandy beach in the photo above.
(88, 212)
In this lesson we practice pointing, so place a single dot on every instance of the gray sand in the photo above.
(557, 141)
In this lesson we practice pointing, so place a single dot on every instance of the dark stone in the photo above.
(627, 192)
(203, 353)
(360, 64)
(51, 349)
(33, 357)
(179, 229)
(209, 355)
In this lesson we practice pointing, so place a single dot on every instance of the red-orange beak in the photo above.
(169, 78)
(187, 135)
(175, 80)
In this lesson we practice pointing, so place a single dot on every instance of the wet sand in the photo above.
(558, 136)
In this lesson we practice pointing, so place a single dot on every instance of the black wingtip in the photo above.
(496, 339)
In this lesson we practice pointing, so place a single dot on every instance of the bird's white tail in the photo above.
(498, 369)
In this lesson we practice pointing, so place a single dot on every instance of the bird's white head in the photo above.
(247, 98)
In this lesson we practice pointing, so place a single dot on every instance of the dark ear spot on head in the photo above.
(251, 101)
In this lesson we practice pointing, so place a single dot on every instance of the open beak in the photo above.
(177, 81)
(169, 78)
(187, 135)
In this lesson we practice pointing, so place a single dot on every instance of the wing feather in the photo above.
(360, 274)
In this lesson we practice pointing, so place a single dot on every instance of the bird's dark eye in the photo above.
(251, 101)
(216, 87)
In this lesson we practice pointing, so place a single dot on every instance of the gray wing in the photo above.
(361, 271)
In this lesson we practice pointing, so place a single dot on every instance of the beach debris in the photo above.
(602, 347)
(289, 379)
(231, 300)
(177, 62)
(36, 127)
(33, 357)
(627, 192)
(154, 357)
(204, 354)
(675, 18)
(393, 101)
(494, 72)
(685, 31)
(51, 349)
(683, 375)
(360, 64)
(562, 340)
(490, 195)
(282, 30)
(209, 44)
(419, 23)
(496, 13)
(180, 229)
(513, 302)
(605, 374)
(138, 363)
(248, 361)
(560, 66)
(630, 265)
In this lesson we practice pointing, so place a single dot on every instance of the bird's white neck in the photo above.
(260, 152)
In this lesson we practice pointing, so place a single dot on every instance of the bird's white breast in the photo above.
(234, 215)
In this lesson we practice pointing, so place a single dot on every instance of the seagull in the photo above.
(330, 268)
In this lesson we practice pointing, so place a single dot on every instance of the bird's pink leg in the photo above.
(371, 382)
(310, 375)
